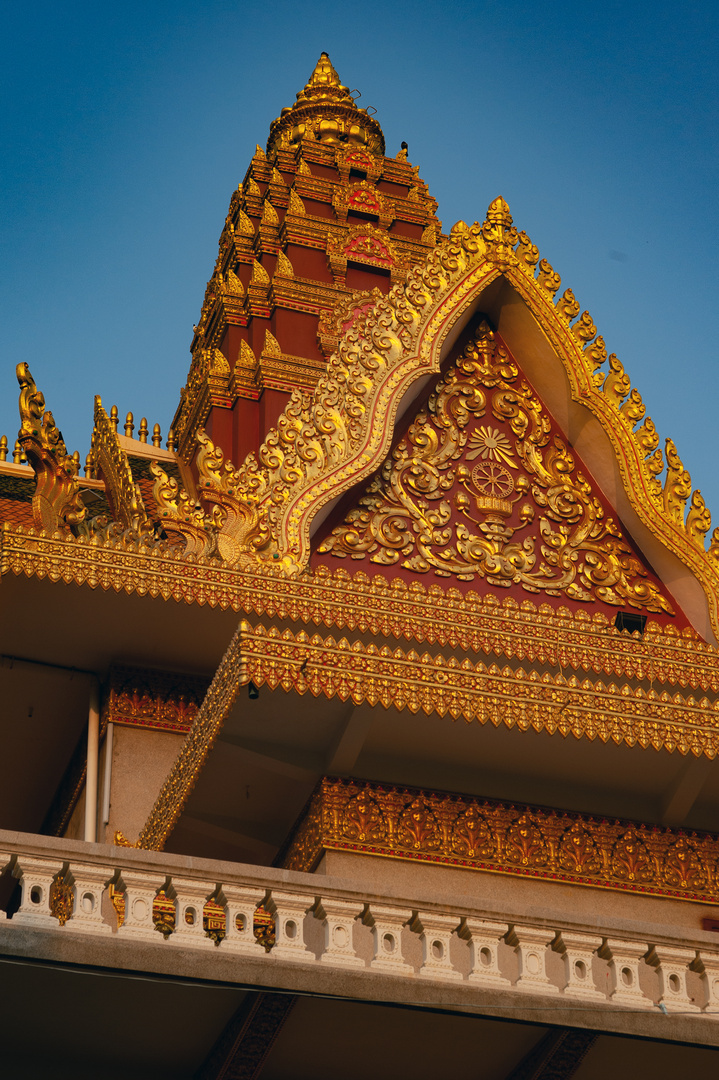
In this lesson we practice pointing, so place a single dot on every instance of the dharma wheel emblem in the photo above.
(492, 480)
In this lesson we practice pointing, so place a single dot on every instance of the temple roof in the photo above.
(325, 110)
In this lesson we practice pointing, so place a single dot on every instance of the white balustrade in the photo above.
(672, 965)
(578, 953)
(484, 941)
(83, 889)
(387, 923)
(339, 920)
(289, 910)
(435, 933)
(625, 958)
(531, 948)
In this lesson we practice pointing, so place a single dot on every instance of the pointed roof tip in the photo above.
(326, 110)
(499, 211)
(324, 82)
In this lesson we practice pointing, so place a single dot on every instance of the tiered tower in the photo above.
(322, 224)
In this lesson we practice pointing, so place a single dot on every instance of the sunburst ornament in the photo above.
(491, 445)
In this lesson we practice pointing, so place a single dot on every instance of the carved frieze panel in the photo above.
(505, 838)
(167, 701)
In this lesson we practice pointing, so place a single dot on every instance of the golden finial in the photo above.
(129, 426)
(142, 433)
(89, 467)
(3, 447)
(327, 111)
(156, 436)
(171, 444)
(114, 417)
(76, 459)
(17, 453)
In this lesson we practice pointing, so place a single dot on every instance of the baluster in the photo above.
(339, 919)
(435, 934)
(289, 910)
(484, 940)
(89, 883)
(36, 876)
(241, 903)
(578, 951)
(624, 959)
(531, 948)
(191, 896)
(672, 964)
(707, 965)
(140, 892)
(387, 923)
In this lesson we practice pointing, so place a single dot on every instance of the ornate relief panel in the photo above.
(505, 838)
(484, 487)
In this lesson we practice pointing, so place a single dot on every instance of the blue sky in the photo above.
(125, 129)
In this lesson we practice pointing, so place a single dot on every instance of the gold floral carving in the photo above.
(240, 532)
(348, 425)
(391, 609)
(56, 503)
(61, 899)
(152, 699)
(112, 463)
(185, 771)
(632, 712)
(448, 460)
(505, 838)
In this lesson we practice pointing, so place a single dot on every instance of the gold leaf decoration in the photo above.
(456, 495)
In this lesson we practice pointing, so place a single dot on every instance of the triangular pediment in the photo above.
(481, 490)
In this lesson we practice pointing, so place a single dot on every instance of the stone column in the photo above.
(435, 933)
(387, 923)
(624, 959)
(672, 964)
(339, 920)
(531, 948)
(289, 911)
(484, 938)
(578, 951)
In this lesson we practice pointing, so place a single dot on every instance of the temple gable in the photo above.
(482, 487)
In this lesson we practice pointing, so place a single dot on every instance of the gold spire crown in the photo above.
(325, 110)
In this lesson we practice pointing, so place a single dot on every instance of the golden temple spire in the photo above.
(324, 84)
(326, 111)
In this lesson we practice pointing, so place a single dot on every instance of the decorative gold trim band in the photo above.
(392, 609)
(504, 838)
(510, 696)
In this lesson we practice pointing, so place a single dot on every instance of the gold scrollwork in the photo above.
(505, 838)
(406, 514)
